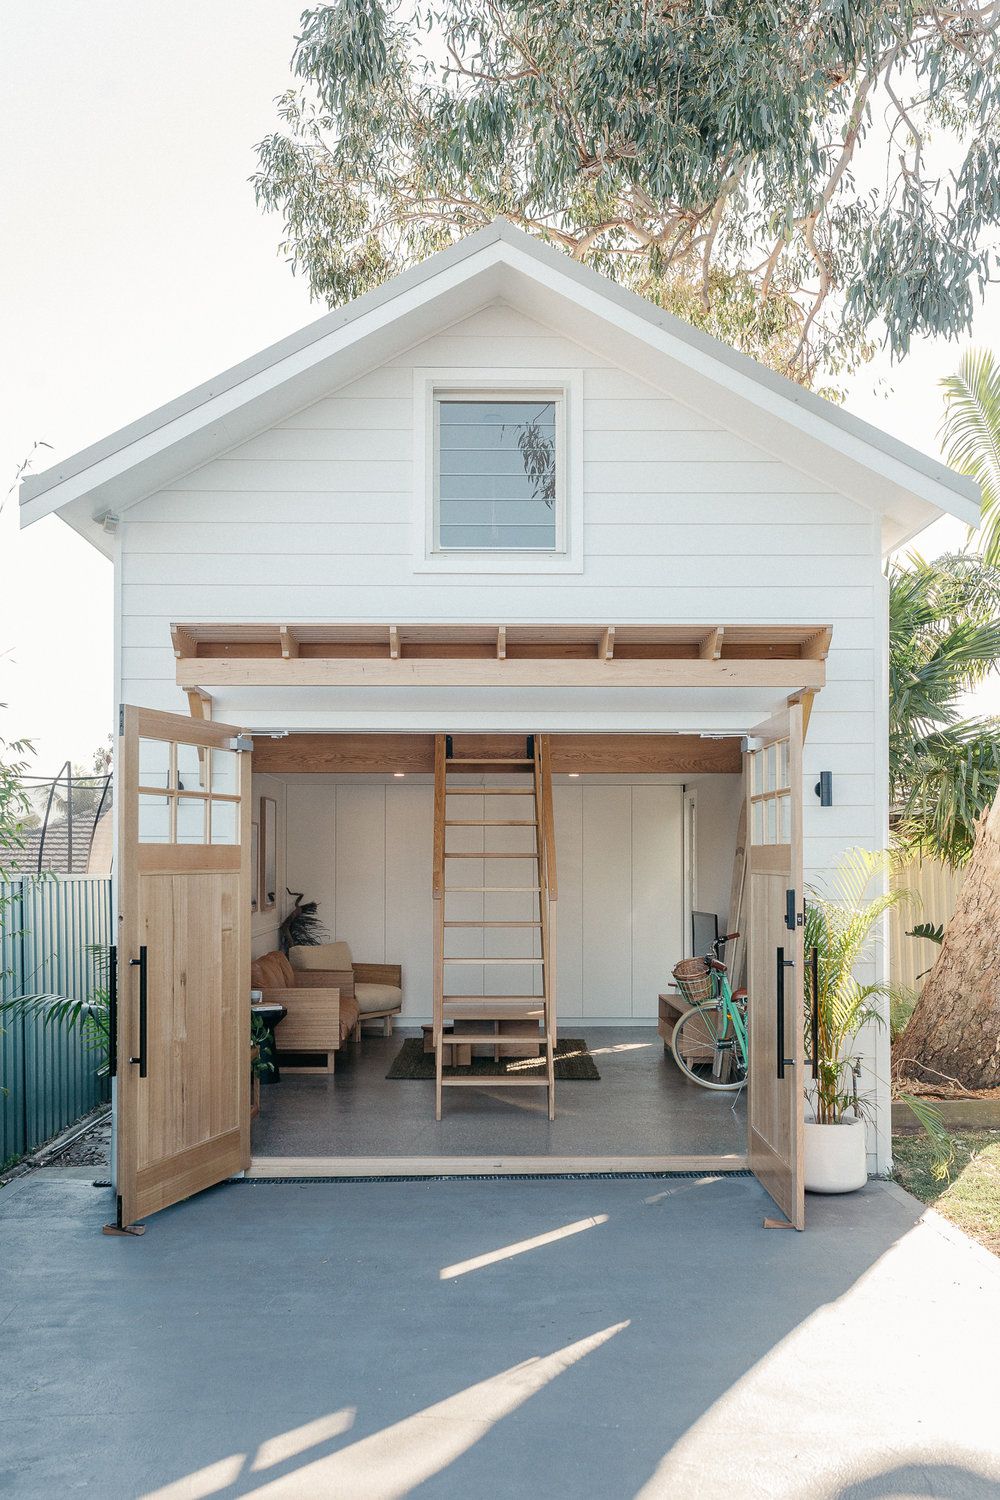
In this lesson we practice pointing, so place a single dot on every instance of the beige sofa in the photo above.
(320, 1014)
(377, 989)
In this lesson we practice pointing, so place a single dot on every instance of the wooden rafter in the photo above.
(199, 703)
(289, 641)
(710, 648)
(606, 648)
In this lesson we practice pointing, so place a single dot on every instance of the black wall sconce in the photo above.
(824, 788)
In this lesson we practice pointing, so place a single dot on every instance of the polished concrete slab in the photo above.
(641, 1107)
(563, 1340)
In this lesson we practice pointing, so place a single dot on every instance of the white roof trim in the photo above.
(129, 464)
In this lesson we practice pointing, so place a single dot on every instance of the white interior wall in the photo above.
(361, 847)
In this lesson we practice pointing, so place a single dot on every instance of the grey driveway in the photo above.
(583, 1339)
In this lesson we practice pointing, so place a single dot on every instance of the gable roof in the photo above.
(500, 262)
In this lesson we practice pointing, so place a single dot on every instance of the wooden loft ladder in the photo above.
(521, 1020)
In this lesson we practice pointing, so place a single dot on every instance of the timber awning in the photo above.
(787, 658)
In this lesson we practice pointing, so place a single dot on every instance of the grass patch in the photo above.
(971, 1197)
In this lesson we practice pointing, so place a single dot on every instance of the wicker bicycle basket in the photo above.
(693, 980)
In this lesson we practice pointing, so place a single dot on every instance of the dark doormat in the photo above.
(574, 1063)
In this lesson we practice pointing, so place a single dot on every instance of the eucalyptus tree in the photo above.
(765, 168)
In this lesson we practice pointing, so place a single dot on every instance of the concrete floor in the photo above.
(642, 1106)
(587, 1339)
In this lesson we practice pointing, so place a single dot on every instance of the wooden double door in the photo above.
(182, 1028)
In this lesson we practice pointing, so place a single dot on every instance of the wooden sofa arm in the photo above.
(379, 974)
(313, 1020)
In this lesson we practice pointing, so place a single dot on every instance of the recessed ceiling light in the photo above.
(573, 775)
(399, 775)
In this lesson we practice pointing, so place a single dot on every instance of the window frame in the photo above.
(564, 388)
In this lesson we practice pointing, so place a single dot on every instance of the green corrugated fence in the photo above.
(48, 1074)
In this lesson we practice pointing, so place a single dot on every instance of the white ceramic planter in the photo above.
(835, 1160)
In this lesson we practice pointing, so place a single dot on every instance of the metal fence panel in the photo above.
(48, 1074)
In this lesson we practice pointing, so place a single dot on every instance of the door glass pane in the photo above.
(154, 820)
(770, 836)
(154, 763)
(758, 822)
(192, 768)
(224, 822)
(771, 774)
(758, 772)
(784, 820)
(225, 772)
(783, 777)
(191, 820)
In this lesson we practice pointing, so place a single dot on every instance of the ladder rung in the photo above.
(497, 889)
(491, 822)
(491, 854)
(494, 960)
(499, 1080)
(486, 760)
(492, 924)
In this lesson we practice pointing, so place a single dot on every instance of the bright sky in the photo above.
(135, 264)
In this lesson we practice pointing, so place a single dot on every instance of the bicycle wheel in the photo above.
(706, 1048)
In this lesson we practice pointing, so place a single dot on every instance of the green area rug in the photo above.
(574, 1063)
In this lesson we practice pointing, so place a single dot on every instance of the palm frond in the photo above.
(970, 435)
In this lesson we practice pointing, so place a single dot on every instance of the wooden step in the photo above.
(489, 791)
(499, 1080)
(448, 960)
(492, 924)
(487, 760)
(491, 822)
(499, 890)
(494, 1007)
(491, 854)
(498, 1039)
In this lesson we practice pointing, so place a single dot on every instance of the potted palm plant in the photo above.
(843, 927)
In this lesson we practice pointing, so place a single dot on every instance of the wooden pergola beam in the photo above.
(787, 673)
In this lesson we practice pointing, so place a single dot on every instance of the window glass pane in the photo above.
(225, 776)
(771, 768)
(771, 835)
(496, 475)
(190, 820)
(224, 822)
(154, 763)
(154, 820)
(784, 820)
(192, 768)
(783, 777)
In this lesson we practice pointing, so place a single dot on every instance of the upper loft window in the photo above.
(499, 472)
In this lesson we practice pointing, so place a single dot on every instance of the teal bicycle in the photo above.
(710, 1043)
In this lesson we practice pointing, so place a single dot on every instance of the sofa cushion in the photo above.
(377, 997)
(321, 956)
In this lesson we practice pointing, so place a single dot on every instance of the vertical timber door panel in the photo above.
(773, 772)
(183, 1100)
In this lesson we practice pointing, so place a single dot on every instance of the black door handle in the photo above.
(814, 1019)
(783, 964)
(112, 1011)
(141, 964)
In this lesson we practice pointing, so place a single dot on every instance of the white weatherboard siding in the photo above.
(361, 847)
(683, 521)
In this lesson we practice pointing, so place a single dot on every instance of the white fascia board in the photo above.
(909, 474)
(143, 458)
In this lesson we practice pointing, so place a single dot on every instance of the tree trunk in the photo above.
(955, 1027)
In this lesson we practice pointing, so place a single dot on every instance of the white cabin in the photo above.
(502, 500)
